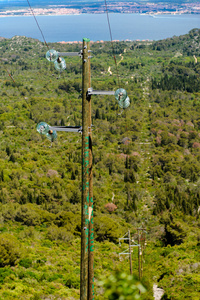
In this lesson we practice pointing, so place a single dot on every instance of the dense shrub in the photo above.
(122, 286)
(55, 233)
(27, 216)
(69, 220)
(25, 262)
(4, 272)
(110, 207)
(10, 250)
(107, 229)
(72, 281)
(174, 233)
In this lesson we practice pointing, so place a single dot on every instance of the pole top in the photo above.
(86, 40)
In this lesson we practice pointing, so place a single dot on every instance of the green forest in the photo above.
(146, 168)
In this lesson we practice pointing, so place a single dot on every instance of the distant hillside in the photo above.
(187, 44)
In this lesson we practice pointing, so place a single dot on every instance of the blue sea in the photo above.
(95, 26)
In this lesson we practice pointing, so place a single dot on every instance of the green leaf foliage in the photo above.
(122, 286)
(10, 250)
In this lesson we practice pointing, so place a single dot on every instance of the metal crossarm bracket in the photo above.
(70, 53)
(67, 128)
(95, 92)
(124, 252)
(127, 253)
(123, 239)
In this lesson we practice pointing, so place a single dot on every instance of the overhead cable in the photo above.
(111, 40)
(8, 72)
(37, 24)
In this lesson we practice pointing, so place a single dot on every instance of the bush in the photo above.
(55, 233)
(9, 211)
(174, 233)
(107, 229)
(110, 207)
(69, 220)
(10, 250)
(25, 262)
(4, 272)
(72, 281)
(122, 286)
(27, 216)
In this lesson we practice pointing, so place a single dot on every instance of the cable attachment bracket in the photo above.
(70, 53)
(95, 92)
(77, 129)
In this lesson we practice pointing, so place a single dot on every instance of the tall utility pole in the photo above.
(91, 227)
(85, 175)
(142, 244)
(129, 250)
(87, 230)
(130, 258)
(139, 253)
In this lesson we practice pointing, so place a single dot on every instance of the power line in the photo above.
(111, 41)
(15, 83)
(41, 32)
(8, 72)
(37, 24)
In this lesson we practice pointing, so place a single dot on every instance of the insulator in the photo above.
(125, 103)
(120, 94)
(43, 128)
(52, 55)
(60, 64)
(51, 135)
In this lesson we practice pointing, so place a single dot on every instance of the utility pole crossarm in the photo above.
(70, 53)
(124, 252)
(67, 128)
(96, 92)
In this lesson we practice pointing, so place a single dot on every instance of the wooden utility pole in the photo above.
(141, 243)
(91, 227)
(85, 175)
(139, 267)
(87, 230)
(128, 251)
(130, 256)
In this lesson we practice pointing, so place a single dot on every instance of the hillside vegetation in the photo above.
(146, 167)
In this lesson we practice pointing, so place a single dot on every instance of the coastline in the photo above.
(39, 12)
(137, 9)
(91, 7)
(77, 14)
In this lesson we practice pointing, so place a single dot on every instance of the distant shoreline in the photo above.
(76, 14)
(40, 12)
(143, 9)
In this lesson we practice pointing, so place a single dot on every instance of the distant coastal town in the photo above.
(40, 12)
(115, 7)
